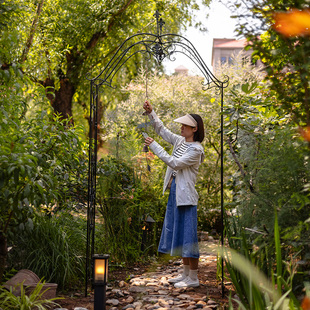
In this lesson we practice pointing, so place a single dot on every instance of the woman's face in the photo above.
(188, 132)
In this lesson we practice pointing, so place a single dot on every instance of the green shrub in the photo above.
(209, 220)
(279, 174)
(42, 160)
(124, 202)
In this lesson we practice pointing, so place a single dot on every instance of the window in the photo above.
(223, 60)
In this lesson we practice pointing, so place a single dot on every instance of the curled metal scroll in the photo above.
(153, 45)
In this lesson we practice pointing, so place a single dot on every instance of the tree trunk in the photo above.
(62, 102)
(61, 99)
(3, 254)
(100, 116)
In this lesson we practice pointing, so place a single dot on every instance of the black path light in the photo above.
(100, 279)
(153, 45)
(147, 228)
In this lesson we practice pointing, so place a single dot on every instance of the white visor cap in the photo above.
(187, 120)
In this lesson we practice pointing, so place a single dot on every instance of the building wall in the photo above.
(224, 49)
(221, 55)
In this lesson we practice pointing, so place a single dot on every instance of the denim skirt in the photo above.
(179, 233)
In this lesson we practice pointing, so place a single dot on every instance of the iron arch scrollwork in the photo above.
(159, 46)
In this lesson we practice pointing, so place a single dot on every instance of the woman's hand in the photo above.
(148, 141)
(147, 107)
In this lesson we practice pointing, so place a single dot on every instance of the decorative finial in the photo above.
(158, 22)
(157, 14)
(161, 23)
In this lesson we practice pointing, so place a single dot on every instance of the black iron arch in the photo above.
(163, 46)
(159, 46)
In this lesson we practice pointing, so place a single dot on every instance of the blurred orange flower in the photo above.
(150, 155)
(292, 23)
(305, 133)
(305, 305)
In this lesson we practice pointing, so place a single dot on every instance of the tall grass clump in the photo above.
(262, 278)
(54, 249)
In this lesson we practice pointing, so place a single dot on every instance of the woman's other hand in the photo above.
(147, 107)
(148, 141)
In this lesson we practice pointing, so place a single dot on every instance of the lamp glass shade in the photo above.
(100, 268)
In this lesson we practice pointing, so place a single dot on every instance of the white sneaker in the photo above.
(187, 282)
(179, 278)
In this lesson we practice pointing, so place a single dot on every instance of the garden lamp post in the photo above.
(100, 279)
(146, 230)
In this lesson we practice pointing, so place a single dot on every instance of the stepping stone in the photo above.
(114, 302)
(137, 289)
(163, 292)
(129, 300)
(163, 303)
(184, 296)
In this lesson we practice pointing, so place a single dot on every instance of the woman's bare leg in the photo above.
(185, 260)
(193, 263)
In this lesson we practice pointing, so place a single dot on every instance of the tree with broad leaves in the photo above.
(286, 57)
(56, 43)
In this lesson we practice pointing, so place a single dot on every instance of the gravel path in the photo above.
(151, 289)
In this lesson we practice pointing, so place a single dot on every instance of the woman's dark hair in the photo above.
(199, 135)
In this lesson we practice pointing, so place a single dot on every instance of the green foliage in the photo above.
(286, 59)
(25, 301)
(9, 274)
(36, 168)
(263, 182)
(11, 37)
(274, 183)
(40, 154)
(42, 160)
(54, 249)
(58, 43)
(271, 169)
(125, 201)
(253, 288)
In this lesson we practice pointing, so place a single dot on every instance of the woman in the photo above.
(179, 234)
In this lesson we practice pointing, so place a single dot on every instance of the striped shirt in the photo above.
(179, 152)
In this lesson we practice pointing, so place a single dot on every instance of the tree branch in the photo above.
(214, 146)
(7, 222)
(233, 153)
(102, 34)
(32, 32)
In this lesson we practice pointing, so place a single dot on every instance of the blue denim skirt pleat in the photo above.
(179, 233)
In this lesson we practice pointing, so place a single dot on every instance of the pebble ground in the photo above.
(151, 289)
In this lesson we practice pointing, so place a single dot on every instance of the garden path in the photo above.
(148, 288)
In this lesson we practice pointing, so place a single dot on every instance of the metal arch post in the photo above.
(159, 46)
(222, 186)
(89, 188)
(92, 174)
